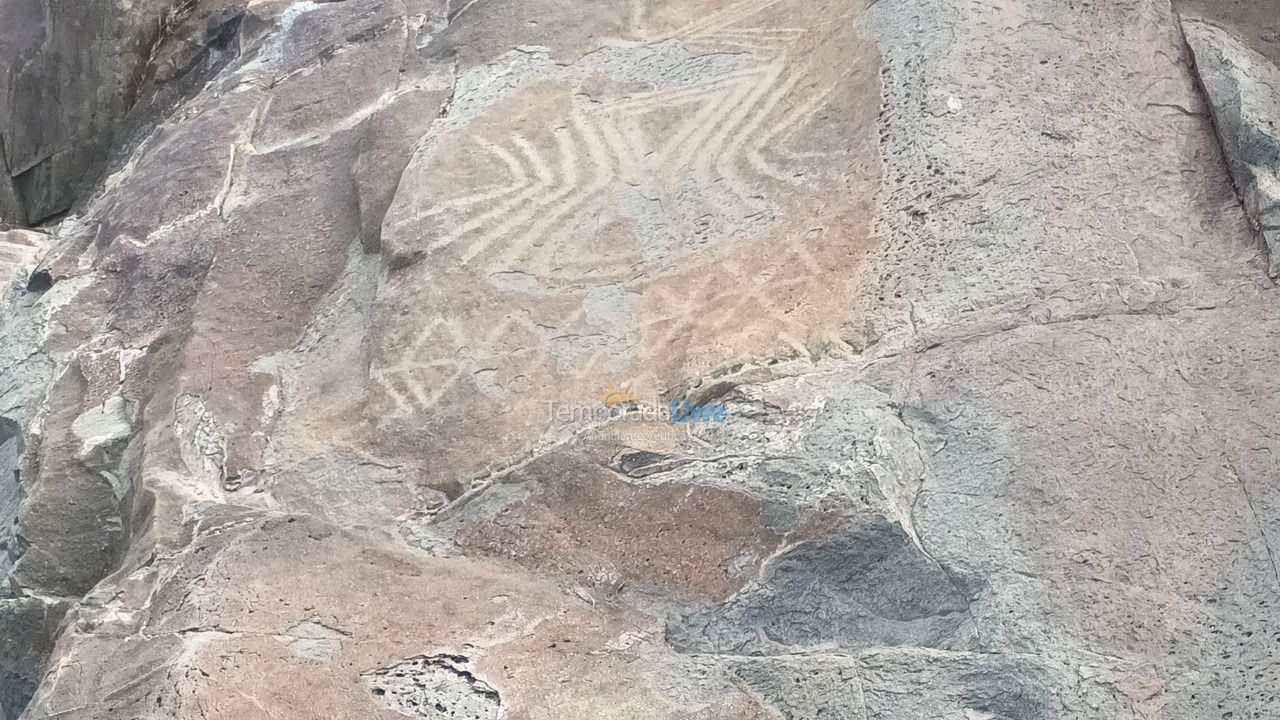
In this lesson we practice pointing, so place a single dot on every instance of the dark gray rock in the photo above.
(72, 70)
(866, 586)
(30, 626)
(11, 447)
(75, 513)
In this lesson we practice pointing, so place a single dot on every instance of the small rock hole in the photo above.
(39, 281)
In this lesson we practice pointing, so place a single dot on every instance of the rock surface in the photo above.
(1243, 88)
(72, 71)
(344, 389)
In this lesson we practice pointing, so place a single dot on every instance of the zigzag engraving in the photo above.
(605, 184)
(443, 354)
(524, 219)
(741, 292)
(408, 380)
(725, 18)
(570, 197)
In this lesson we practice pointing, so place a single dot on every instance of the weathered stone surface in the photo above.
(74, 517)
(867, 586)
(435, 687)
(18, 250)
(30, 624)
(71, 73)
(1243, 88)
(220, 632)
(301, 408)
(1254, 23)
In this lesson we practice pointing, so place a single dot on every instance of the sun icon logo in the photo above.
(613, 395)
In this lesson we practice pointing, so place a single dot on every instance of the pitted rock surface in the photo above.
(341, 341)
(435, 688)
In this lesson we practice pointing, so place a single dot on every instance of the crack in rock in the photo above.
(1243, 90)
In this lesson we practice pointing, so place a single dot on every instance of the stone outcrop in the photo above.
(72, 72)
(344, 388)
(1243, 88)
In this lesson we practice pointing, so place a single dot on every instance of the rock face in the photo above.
(1243, 88)
(356, 382)
(72, 70)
